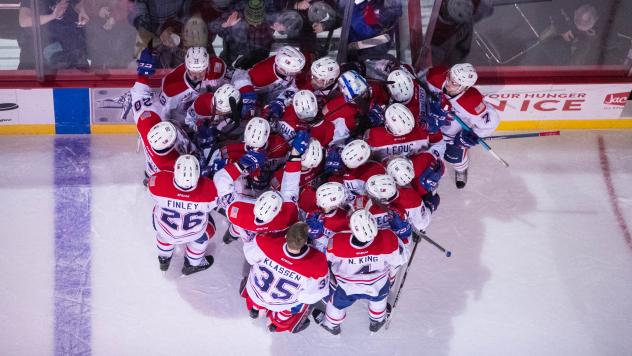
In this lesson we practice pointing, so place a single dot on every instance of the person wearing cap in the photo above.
(246, 32)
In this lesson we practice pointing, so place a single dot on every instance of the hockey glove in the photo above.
(249, 101)
(466, 139)
(376, 116)
(431, 201)
(316, 228)
(429, 178)
(206, 136)
(218, 164)
(252, 160)
(274, 110)
(147, 62)
(300, 142)
(400, 227)
(436, 116)
(333, 162)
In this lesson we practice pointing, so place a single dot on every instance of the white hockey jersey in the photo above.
(280, 281)
(365, 270)
(179, 216)
(469, 106)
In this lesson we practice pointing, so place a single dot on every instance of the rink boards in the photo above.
(521, 107)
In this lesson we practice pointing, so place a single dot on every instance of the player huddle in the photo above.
(324, 173)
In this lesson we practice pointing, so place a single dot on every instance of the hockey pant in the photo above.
(335, 313)
(286, 320)
(194, 249)
(457, 156)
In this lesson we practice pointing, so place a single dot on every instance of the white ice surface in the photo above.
(540, 265)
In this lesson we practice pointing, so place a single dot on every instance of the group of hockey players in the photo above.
(324, 174)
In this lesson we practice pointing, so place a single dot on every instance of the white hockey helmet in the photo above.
(355, 154)
(330, 196)
(462, 76)
(363, 225)
(400, 86)
(351, 84)
(401, 169)
(381, 187)
(195, 33)
(256, 133)
(196, 59)
(313, 155)
(267, 207)
(305, 104)
(398, 120)
(325, 71)
(221, 98)
(162, 137)
(289, 61)
(186, 173)
(460, 11)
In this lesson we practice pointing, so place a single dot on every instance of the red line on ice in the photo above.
(605, 170)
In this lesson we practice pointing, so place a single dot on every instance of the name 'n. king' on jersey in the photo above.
(279, 281)
(181, 216)
(365, 270)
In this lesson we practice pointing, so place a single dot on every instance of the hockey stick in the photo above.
(389, 317)
(423, 235)
(523, 135)
(481, 141)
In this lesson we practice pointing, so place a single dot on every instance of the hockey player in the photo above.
(272, 211)
(452, 93)
(311, 176)
(303, 114)
(322, 78)
(162, 141)
(398, 209)
(351, 104)
(286, 277)
(354, 164)
(198, 74)
(330, 216)
(275, 75)
(181, 214)
(422, 173)
(400, 134)
(365, 262)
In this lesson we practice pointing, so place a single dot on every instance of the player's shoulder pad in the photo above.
(318, 261)
(472, 101)
(262, 73)
(174, 83)
(202, 104)
(159, 180)
(408, 198)
(386, 241)
(436, 76)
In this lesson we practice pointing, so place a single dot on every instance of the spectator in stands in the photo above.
(247, 34)
(109, 26)
(159, 21)
(62, 31)
(372, 28)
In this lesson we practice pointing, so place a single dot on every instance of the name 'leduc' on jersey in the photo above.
(279, 281)
(181, 216)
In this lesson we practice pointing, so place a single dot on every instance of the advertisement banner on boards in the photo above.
(557, 102)
(111, 106)
(26, 106)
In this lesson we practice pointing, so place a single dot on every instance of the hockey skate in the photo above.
(460, 179)
(375, 326)
(228, 238)
(164, 262)
(302, 326)
(188, 269)
(319, 317)
(254, 313)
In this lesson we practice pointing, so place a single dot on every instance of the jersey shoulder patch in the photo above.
(472, 102)
(174, 82)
